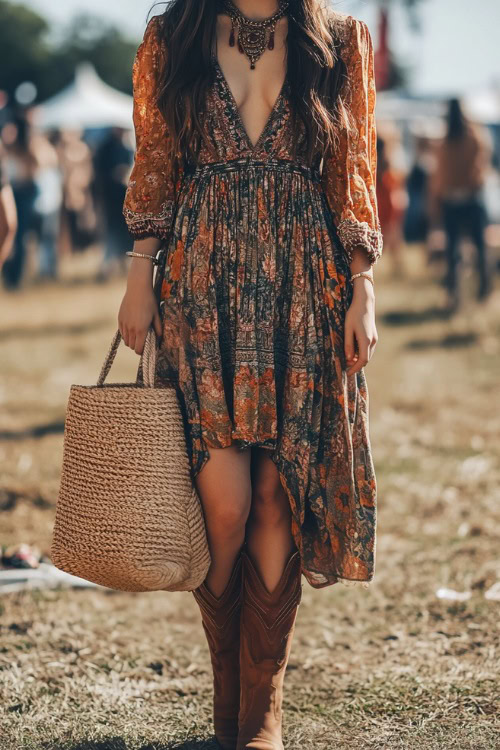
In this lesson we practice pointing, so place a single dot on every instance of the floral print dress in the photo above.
(255, 283)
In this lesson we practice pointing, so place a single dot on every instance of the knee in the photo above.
(270, 504)
(228, 519)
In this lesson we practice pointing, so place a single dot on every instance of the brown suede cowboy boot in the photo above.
(267, 625)
(221, 621)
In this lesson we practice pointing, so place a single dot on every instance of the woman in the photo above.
(8, 214)
(255, 179)
(21, 166)
(463, 162)
(391, 199)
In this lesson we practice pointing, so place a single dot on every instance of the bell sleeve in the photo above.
(349, 173)
(150, 198)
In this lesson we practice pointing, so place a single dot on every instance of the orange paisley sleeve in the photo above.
(150, 198)
(349, 175)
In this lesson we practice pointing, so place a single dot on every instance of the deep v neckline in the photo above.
(237, 114)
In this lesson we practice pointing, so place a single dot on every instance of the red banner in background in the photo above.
(382, 53)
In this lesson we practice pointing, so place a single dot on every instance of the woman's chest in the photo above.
(248, 125)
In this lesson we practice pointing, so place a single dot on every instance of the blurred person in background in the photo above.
(48, 203)
(463, 160)
(113, 162)
(417, 220)
(8, 214)
(391, 198)
(21, 165)
(78, 220)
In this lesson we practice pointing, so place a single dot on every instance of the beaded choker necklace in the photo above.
(253, 37)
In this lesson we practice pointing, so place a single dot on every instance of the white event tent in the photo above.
(88, 102)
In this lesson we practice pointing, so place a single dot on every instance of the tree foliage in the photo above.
(27, 52)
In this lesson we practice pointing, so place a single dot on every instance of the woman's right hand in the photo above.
(139, 308)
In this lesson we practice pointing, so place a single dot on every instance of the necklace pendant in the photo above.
(254, 37)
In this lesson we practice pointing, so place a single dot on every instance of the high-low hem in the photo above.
(200, 458)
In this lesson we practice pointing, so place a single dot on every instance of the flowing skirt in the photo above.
(255, 286)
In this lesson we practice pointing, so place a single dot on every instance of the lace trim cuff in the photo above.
(142, 225)
(355, 234)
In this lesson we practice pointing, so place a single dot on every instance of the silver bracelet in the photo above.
(143, 255)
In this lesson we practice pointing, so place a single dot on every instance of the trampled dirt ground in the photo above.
(388, 668)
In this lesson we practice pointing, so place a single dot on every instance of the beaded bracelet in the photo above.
(143, 255)
(364, 275)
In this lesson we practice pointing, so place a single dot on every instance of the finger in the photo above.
(362, 360)
(349, 344)
(131, 339)
(125, 335)
(140, 339)
(354, 369)
(157, 325)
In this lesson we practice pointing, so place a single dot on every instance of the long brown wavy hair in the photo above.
(314, 70)
(456, 122)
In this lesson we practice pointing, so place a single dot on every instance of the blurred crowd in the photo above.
(439, 200)
(63, 191)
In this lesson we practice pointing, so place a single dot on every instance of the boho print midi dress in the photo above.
(255, 283)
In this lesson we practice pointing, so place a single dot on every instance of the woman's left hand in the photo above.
(360, 336)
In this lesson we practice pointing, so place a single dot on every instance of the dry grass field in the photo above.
(393, 667)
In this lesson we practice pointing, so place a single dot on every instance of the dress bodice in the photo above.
(227, 133)
(348, 175)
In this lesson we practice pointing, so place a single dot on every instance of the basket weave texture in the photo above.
(128, 514)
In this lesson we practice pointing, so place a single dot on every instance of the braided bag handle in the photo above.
(147, 363)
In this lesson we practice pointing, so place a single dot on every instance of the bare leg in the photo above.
(271, 596)
(224, 487)
(269, 537)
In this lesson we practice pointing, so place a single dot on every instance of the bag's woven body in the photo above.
(128, 515)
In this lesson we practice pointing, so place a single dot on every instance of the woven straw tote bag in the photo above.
(128, 515)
